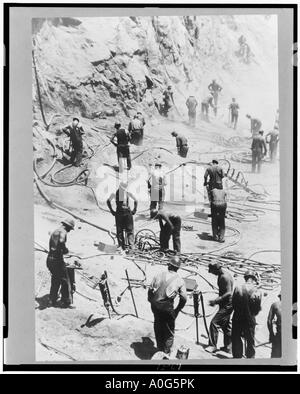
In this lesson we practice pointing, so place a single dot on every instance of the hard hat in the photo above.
(175, 261)
(76, 119)
(212, 267)
(169, 87)
(69, 222)
(174, 134)
(117, 123)
(251, 274)
(158, 164)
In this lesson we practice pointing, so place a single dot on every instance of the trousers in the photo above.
(221, 320)
(256, 160)
(192, 117)
(59, 280)
(242, 328)
(123, 152)
(166, 233)
(124, 223)
(218, 221)
(164, 327)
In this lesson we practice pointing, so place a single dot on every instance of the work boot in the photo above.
(210, 349)
(226, 349)
(222, 240)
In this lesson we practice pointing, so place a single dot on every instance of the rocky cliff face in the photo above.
(102, 67)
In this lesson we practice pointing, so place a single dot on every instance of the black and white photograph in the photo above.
(156, 187)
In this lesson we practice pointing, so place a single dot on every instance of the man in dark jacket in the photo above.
(218, 212)
(181, 144)
(168, 100)
(259, 150)
(170, 225)
(222, 318)
(246, 302)
(123, 215)
(274, 321)
(163, 289)
(121, 140)
(213, 177)
(57, 266)
(75, 132)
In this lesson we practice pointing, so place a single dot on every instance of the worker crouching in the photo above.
(163, 290)
(55, 263)
(170, 225)
(181, 144)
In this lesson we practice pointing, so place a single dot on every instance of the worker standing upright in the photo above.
(75, 132)
(136, 130)
(255, 125)
(213, 177)
(234, 113)
(259, 150)
(163, 290)
(191, 104)
(205, 104)
(218, 212)
(222, 318)
(121, 139)
(123, 215)
(156, 187)
(246, 302)
(168, 100)
(272, 139)
(274, 327)
(57, 266)
(181, 144)
(170, 225)
(215, 89)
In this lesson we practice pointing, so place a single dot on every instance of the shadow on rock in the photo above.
(144, 350)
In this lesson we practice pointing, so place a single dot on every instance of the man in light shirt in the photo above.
(163, 289)
(156, 187)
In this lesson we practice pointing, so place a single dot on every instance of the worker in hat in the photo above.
(259, 150)
(168, 101)
(156, 187)
(75, 132)
(121, 140)
(221, 320)
(234, 113)
(164, 288)
(55, 263)
(246, 302)
(136, 129)
(274, 327)
(215, 90)
(191, 104)
(123, 215)
(205, 104)
(255, 125)
(181, 144)
(170, 225)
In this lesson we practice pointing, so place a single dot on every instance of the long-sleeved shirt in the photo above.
(215, 174)
(57, 243)
(121, 138)
(274, 317)
(259, 145)
(157, 179)
(234, 108)
(75, 133)
(214, 87)
(165, 286)
(225, 284)
(122, 197)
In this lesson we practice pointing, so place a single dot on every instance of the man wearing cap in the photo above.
(255, 125)
(191, 104)
(121, 139)
(56, 264)
(246, 302)
(234, 113)
(75, 132)
(259, 150)
(123, 215)
(213, 177)
(274, 327)
(156, 187)
(222, 318)
(170, 225)
(181, 144)
(163, 290)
